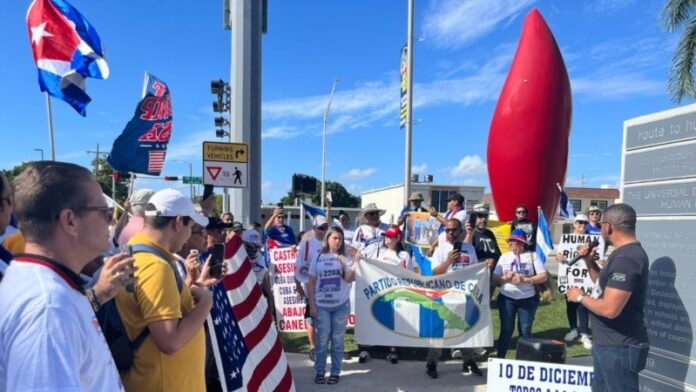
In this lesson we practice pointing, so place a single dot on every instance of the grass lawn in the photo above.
(550, 322)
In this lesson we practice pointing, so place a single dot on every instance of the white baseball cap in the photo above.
(251, 236)
(318, 221)
(170, 202)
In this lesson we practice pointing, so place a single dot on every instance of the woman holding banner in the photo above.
(517, 272)
(330, 277)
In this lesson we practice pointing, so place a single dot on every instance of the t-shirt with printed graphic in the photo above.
(529, 228)
(368, 239)
(467, 256)
(626, 270)
(522, 265)
(402, 259)
(486, 245)
(331, 289)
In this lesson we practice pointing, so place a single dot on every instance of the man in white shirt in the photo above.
(309, 249)
(447, 259)
(50, 338)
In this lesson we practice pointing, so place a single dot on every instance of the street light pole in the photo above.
(191, 177)
(323, 146)
(409, 104)
(41, 151)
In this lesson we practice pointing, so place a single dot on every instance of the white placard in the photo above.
(507, 375)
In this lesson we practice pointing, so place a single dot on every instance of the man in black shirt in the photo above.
(522, 223)
(483, 239)
(616, 308)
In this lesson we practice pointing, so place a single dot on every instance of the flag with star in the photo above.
(142, 146)
(67, 49)
(247, 349)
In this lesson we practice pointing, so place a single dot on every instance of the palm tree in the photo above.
(681, 14)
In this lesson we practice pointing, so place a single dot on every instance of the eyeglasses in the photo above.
(521, 212)
(106, 212)
(322, 227)
(452, 230)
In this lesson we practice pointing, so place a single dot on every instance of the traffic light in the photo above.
(221, 105)
(171, 178)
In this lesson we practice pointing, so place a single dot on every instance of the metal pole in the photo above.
(323, 145)
(50, 127)
(409, 104)
(191, 178)
(41, 151)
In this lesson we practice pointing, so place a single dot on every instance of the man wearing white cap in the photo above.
(172, 357)
(309, 249)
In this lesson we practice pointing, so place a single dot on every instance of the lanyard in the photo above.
(70, 277)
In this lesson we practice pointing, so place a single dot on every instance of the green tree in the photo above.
(14, 172)
(340, 196)
(681, 15)
(103, 174)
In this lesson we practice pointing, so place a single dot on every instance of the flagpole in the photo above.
(50, 126)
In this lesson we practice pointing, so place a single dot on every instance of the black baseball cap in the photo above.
(456, 196)
(218, 224)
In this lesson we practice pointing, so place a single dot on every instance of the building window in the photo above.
(438, 199)
(602, 204)
(577, 205)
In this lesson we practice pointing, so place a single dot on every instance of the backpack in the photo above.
(114, 331)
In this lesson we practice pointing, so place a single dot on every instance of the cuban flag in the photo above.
(245, 341)
(142, 146)
(67, 49)
(313, 211)
(423, 262)
(544, 243)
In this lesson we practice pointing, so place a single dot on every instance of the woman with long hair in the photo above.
(517, 272)
(330, 277)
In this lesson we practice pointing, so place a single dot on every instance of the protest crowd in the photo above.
(88, 302)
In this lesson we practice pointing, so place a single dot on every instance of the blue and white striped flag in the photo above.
(566, 207)
(313, 211)
(544, 243)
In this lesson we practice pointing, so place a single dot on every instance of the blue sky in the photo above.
(617, 57)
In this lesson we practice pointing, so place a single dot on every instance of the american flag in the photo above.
(155, 161)
(245, 341)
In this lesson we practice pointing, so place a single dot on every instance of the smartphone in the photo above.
(207, 191)
(216, 260)
(457, 246)
(131, 286)
(472, 219)
(279, 205)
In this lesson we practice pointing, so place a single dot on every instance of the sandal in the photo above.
(333, 380)
(319, 379)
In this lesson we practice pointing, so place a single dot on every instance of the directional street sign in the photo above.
(192, 180)
(225, 164)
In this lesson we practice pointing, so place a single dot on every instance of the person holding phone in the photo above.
(276, 230)
(517, 272)
(453, 254)
(172, 357)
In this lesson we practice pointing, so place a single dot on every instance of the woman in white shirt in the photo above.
(330, 277)
(517, 272)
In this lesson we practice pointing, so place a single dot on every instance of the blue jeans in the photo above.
(617, 368)
(331, 324)
(508, 309)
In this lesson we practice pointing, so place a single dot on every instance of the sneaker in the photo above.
(364, 356)
(572, 335)
(586, 341)
(473, 367)
(312, 355)
(466, 369)
(431, 369)
(456, 354)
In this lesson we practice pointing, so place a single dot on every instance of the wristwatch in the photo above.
(579, 298)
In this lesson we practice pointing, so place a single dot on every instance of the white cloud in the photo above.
(280, 132)
(617, 85)
(359, 174)
(469, 166)
(455, 23)
(419, 169)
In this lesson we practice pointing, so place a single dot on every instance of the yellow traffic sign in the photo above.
(225, 152)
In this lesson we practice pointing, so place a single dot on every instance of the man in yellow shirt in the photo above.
(172, 357)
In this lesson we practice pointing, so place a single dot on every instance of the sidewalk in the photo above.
(379, 375)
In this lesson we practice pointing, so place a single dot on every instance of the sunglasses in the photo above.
(521, 212)
(106, 212)
(452, 230)
(323, 227)
(373, 213)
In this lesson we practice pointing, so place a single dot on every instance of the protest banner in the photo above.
(501, 230)
(289, 307)
(505, 375)
(399, 308)
(578, 274)
(421, 229)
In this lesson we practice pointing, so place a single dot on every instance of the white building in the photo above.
(391, 198)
